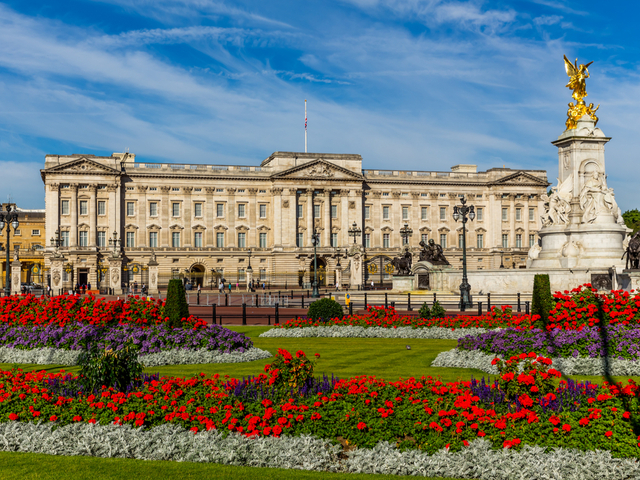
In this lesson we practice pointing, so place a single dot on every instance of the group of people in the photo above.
(82, 289)
(133, 289)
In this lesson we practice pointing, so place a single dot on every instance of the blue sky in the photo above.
(425, 84)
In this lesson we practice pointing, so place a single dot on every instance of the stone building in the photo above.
(30, 241)
(208, 222)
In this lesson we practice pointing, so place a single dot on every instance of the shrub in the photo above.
(289, 371)
(425, 311)
(176, 307)
(110, 368)
(541, 300)
(536, 378)
(437, 310)
(326, 309)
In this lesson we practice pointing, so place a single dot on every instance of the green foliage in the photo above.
(290, 371)
(110, 368)
(541, 301)
(437, 310)
(632, 219)
(326, 309)
(176, 307)
(425, 311)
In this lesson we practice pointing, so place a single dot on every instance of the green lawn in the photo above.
(27, 466)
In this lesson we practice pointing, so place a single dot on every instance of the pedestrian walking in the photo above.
(371, 284)
(262, 287)
(337, 286)
(230, 287)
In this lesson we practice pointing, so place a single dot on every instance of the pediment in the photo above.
(153, 226)
(521, 178)
(318, 170)
(130, 226)
(82, 165)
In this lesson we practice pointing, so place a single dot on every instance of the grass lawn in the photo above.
(27, 466)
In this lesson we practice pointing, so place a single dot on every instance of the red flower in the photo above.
(566, 427)
(608, 433)
(53, 418)
(362, 426)
(13, 416)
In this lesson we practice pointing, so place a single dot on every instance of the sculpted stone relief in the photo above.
(597, 199)
(556, 205)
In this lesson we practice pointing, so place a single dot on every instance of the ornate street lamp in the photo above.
(115, 244)
(354, 232)
(501, 257)
(11, 219)
(249, 269)
(315, 240)
(405, 233)
(463, 213)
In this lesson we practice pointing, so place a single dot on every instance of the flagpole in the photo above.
(305, 125)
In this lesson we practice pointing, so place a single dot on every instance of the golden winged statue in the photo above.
(577, 82)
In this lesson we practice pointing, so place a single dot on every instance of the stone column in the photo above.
(326, 240)
(142, 239)
(396, 220)
(252, 241)
(209, 218)
(310, 218)
(291, 232)
(52, 202)
(113, 226)
(338, 275)
(512, 221)
(376, 215)
(115, 275)
(415, 225)
(525, 220)
(231, 218)
(16, 268)
(93, 217)
(165, 213)
(344, 218)
(73, 206)
(356, 255)
(153, 276)
(278, 215)
(187, 217)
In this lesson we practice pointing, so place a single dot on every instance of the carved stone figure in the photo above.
(596, 198)
(115, 276)
(403, 263)
(56, 278)
(534, 252)
(633, 252)
(320, 170)
(433, 253)
(153, 279)
(16, 251)
(556, 205)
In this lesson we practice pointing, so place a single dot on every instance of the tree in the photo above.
(632, 219)
(176, 307)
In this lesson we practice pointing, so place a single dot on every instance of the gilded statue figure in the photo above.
(577, 82)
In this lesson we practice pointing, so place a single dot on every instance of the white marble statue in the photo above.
(557, 204)
(596, 199)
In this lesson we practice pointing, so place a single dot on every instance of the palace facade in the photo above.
(207, 222)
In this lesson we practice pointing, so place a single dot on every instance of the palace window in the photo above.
(505, 214)
(367, 240)
(241, 210)
(220, 239)
(405, 213)
(130, 242)
(334, 239)
(84, 207)
(385, 213)
(130, 209)
(84, 239)
(175, 209)
(518, 240)
(102, 239)
(197, 239)
(242, 240)
(299, 239)
(518, 214)
(424, 237)
(532, 240)
(334, 211)
(241, 275)
(153, 209)
(480, 242)
(35, 232)
(263, 274)
(153, 239)
(263, 211)
(367, 212)
(505, 240)
(531, 214)
(299, 210)
(443, 213)
(197, 210)
(424, 211)
(479, 213)
(175, 239)
(316, 211)
(102, 207)
(443, 240)
(64, 237)
(263, 240)
(385, 240)
(219, 210)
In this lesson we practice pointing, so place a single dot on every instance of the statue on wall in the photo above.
(403, 263)
(557, 204)
(433, 253)
(16, 253)
(596, 198)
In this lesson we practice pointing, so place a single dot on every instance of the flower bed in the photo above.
(423, 414)
(388, 318)
(337, 331)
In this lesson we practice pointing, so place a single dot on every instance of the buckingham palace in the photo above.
(124, 218)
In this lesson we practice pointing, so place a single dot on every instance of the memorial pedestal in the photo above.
(16, 267)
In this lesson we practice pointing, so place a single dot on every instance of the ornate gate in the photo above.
(379, 270)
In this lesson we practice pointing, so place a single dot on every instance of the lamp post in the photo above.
(315, 239)
(354, 232)
(114, 243)
(11, 219)
(405, 233)
(249, 272)
(464, 213)
(501, 255)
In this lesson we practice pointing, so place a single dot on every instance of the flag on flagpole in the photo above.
(305, 115)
